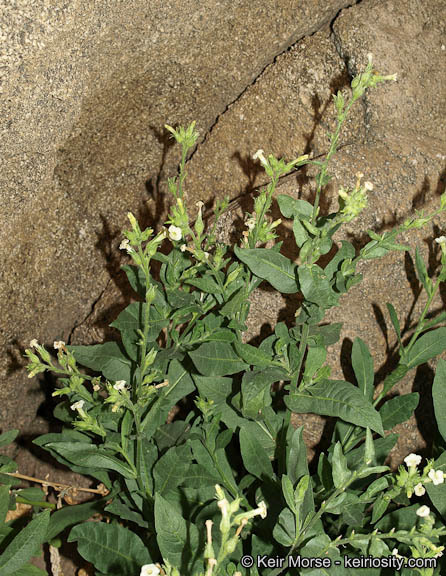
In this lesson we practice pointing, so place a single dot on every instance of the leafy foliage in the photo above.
(181, 345)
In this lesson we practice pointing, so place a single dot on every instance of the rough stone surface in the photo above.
(87, 89)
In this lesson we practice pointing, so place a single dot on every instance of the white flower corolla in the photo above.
(368, 186)
(120, 385)
(175, 233)
(59, 344)
(395, 552)
(96, 387)
(436, 476)
(423, 511)
(125, 245)
(441, 240)
(149, 570)
(412, 460)
(78, 405)
(262, 509)
(33, 343)
(183, 247)
(259, 155)
(419, 489)
(250, 223)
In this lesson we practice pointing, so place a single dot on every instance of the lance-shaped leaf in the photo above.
(272, 266)
(398, 409)
(336, 398)
(254, 456)
(362, 362)
(426, 347)
(176, 538)
(108, 358)
(439, 397)
(112, 549)
(24, 545)
(217, 359)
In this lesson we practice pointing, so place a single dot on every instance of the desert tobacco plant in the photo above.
(223, 486)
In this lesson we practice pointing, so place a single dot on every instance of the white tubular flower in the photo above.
(396, 553)
(78, 405)
(423, 511)
(59, 344)
(412, 460)
(250, 223)
(259, 155)
(441, 240)
(120, 385)
(175, 233)
(419, 489)
(125, 245)
(183, 247)
(368, 186)
(33, 343)
(149, 570)
(436, 476)
(262, 509)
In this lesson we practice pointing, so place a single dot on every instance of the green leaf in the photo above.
(131, 320)
(345, 251)
(291, 207)
(218, 390)
(107, 358)
(285, 529)
(30, 570)
(438, 493)
(278, 270)
(70, 515)
(252, 355)
(4, 502)
(24, 545)
(180, 385)
(439, 397)
(394, 318)
(177, 539)
(315, 359)
(426, 347)
(315, 286)
(255, 458)
(398, 409)
(362, 362)
(171, 468)
(340, 470)
(8, 437)
(112, 549)
(89, 455)
(288, 492)
(217, 359)
(123, 512)
(137, 280)
(422, 274)
(336, 398)
(147, 457)
(256, 391)
(205, 284)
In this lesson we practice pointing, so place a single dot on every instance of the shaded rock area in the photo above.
(86, 90)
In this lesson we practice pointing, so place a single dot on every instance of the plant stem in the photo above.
(57, 485)
(422, 317)
(324, 165)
